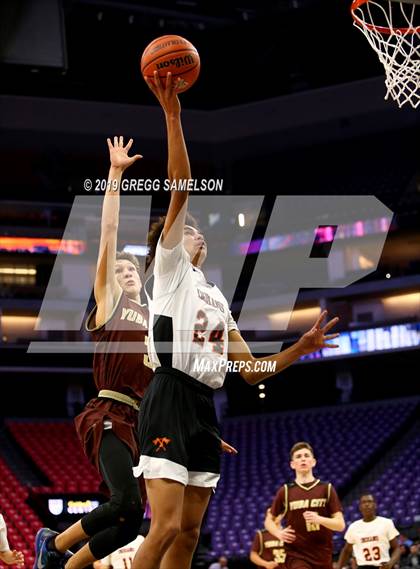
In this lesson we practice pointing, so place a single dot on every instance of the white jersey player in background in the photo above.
(370, 538)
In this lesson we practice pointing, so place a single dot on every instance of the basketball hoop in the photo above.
(389, 27)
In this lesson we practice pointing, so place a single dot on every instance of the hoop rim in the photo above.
(381, 29)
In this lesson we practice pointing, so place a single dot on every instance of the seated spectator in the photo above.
(220, 564)
(404, 553)
(413, 558)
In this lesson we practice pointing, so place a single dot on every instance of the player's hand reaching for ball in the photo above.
(118, 153)
(317, 337)
(166, 95)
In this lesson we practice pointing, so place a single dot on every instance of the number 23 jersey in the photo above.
(189, 319)
(370, 540)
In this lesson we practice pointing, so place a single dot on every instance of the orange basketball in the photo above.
(174, 54)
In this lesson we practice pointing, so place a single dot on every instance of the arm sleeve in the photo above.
(348, 536)
(334, 503)
(278, 506)
(391, 531)
(4, 544)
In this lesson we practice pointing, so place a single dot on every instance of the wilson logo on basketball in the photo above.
(160, 46)
(161, 443)
(176, 61)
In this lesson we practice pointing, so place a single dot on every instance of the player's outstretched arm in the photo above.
(178, 161)
(344, 555)
(106, 288)
(313, 340)
(334, 523)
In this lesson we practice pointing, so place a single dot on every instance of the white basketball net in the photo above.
(389, 28)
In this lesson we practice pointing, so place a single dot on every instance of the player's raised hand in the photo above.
(317, 337)
(118, 153)
(227, 448)
(166, 95)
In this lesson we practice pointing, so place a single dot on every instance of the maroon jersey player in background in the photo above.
(267, 551)
(311, 511)
(108, 426)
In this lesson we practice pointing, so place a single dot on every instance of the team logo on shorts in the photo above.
(161, 443)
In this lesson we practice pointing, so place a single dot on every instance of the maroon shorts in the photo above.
(89, 428)
(298, 563)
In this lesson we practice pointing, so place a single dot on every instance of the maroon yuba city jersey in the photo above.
(313, 542)
(117, 364)
(120, 364)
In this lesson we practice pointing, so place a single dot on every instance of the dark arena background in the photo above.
(289, 102)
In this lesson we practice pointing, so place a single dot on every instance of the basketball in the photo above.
(175, 54)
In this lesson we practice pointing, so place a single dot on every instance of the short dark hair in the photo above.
(300, 445)
(125, 255)
(156, 230)
(366, 494)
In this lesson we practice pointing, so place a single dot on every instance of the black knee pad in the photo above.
(129, 508)
(128, 531)
(125, 528)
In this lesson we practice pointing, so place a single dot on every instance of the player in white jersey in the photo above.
(190, 322)
(371, 538)
(7, 555)
(122, 558)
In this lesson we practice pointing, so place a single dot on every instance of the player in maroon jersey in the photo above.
(108, 426)
(311, 511)
(267, 551)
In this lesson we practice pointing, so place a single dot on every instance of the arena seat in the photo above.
(21, 521)
(56, 450)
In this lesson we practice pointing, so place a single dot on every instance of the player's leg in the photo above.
(167, 417)
(180, 553)
(72, 535)
(166, 501)
(115, 523)
(203, 475)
